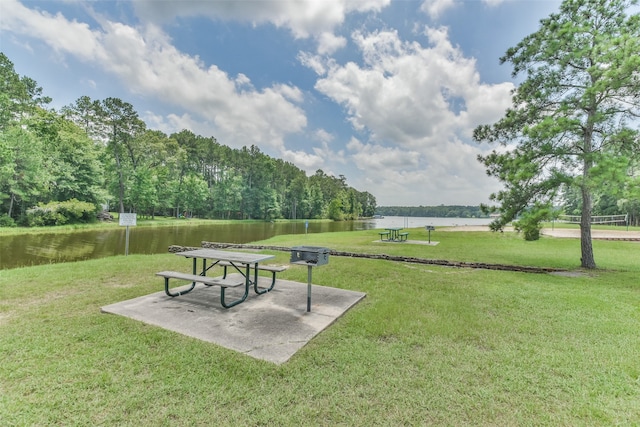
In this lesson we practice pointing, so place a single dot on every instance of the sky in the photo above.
(384, 92)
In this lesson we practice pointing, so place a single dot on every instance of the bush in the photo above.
(530, 229)
(530, 223)
(7, 221)
(60, 213)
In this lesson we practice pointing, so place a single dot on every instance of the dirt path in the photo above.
(621, 234)
(470, 228)
(595, 234)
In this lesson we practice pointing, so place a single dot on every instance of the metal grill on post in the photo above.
(311, 256)
(430, 228)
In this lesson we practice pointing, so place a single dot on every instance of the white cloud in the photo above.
(403, 93)
(242, 80)
(172, 123)
(306, 161)
(321, 156)
(328, 43)
(418, 105)
(493, 2)
(323, 136)
(379, 158)
(449, 175)
(304, 18)
(316, 62)
(435, 8)
(146, 62)
(68, 36)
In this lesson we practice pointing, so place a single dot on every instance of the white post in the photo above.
(127, 219)
(126, 242)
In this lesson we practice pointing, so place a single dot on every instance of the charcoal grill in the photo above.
(429, 228)
(311, 256)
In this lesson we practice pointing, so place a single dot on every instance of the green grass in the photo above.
(428, 345)
(497, 248)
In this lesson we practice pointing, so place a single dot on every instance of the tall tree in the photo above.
(297, 195)
(19, 96)
(71, 158)
(193, 194)
(576, 107)
(124, 125)
(629, 201)
(227, 194)
(23, 174)
(88, 115)
(10, 90)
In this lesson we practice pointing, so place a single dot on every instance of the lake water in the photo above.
(413, 222)
(35, 249)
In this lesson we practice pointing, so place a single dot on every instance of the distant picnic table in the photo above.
(393, 234)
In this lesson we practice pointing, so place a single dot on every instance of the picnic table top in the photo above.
(239, 257)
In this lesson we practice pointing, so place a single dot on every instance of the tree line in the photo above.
(100, 152)
(442, 211)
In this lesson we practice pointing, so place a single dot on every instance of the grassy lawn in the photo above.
(428, 345)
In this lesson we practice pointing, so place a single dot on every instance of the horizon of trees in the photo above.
(441, 211)
(101, 152)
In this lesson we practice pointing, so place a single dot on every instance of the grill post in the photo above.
(310, 256)
(308, 288)
(429, 228)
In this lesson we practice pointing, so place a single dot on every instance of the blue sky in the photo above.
(386, 93)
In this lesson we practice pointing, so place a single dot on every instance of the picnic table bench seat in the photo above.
(384, 234)
(196, 278)
(403, 236)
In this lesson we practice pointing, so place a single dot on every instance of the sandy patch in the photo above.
(470, 228)
(622, 234)
(595, 234)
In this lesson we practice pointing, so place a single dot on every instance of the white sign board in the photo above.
(128, 219)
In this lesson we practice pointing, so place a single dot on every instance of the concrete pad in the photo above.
(271, 327)
(422, 242)
(410, 242)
